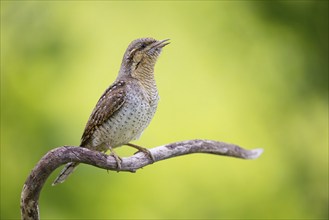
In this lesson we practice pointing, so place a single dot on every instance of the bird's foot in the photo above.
(117, 159)
(142, 149)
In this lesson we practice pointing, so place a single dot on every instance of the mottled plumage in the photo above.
(112, 100)
(127, 106)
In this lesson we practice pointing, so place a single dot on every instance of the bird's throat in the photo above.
(147, 80)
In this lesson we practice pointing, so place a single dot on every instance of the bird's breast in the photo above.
(130, 120)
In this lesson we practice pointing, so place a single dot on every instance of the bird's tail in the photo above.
(67, 170)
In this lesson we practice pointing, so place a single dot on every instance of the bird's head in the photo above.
(141, 56)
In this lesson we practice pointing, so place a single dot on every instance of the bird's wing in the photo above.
(110, 102)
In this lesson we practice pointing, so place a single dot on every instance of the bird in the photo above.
(126, 107)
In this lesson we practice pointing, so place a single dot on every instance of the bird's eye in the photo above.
(143, 45)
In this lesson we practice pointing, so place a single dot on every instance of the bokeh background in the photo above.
(251, 73)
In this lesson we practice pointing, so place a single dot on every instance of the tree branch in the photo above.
(62, 155)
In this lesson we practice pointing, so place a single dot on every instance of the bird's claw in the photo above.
(144, 150)
(148, 153)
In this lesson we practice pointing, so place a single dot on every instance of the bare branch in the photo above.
(62, 155)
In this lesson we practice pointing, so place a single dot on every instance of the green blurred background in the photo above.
(247, 72)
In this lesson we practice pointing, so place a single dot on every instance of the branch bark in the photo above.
(62, 155)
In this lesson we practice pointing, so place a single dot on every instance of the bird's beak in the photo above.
(161, 43)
